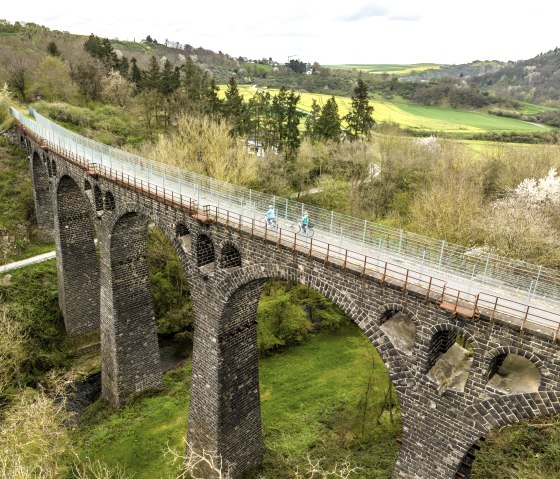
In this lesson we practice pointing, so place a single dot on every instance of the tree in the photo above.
(311, 119)
(213, 102)
(234, 109)
(88, 76)
(169, 79)
(359, 119)
(328, 123)
(117, 89)
(52, 49)
(53, 81)
(284, 123)
(135, 73)
(152, 75)
(258, 118)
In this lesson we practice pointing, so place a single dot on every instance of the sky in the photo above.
(327, 31)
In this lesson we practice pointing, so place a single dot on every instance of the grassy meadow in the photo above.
(312, 401)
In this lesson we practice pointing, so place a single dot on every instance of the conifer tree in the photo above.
(135, 72)
(328, 123)
(234, 108)
(359, 119)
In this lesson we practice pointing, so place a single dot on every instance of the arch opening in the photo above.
(97, 199)
(450, 358)
(400, 328)
(184, 236)
(51, 166)
(230, 256)
(205, 255)
(513, 374)
(152, 318)
(108, 201)
(310, 370)
(44, 208)
(79, 293)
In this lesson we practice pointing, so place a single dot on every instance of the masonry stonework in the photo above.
(226, 270)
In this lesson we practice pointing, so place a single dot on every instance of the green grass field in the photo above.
(310, 401)
(388, 68)
(418, 117)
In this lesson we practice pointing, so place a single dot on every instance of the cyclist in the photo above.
(270, 216)
(304, 221)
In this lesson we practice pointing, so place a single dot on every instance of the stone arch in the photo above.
(42, 194)
(205, 254)
(448, 364)
(52, 168)
(512, 370)
(108, 201)
(184, 236)
(234, 357)
(97, 199)
(230, 256)
(512, 409)
(87, 186)
(77, 263)
(399, 324)
(259, 274)
(125, 206)
(130, 355)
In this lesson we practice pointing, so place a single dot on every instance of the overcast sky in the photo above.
(326, 31)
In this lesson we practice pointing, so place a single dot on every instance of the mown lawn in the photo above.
(312, 400)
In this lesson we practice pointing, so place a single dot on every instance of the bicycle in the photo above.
(270, 223)
(297, 228)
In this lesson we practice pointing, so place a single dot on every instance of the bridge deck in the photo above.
(460, 295)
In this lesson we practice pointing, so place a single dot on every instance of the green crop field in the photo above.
(417, 117)
(389, 68)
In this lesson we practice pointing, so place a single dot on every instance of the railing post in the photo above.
(328, 251)
(556, 334)
(525, 319)
(406, 281)
(384, 274)
(494, 310)
(441, 253)
(429, 289)
(364, 267)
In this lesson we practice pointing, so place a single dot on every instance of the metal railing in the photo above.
(432, 288)
(523, 280)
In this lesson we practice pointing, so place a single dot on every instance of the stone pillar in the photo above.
(44, 210)
(224, 414)
(129, 346)
(76, 260)
(435, 439)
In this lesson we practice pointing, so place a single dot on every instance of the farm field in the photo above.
(417, 117)
(388, 68)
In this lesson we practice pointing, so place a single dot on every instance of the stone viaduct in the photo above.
(108, 290)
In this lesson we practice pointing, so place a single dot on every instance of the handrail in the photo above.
(434, 289)
(519, 278)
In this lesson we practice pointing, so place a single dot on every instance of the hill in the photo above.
(33, 40)
(536, 80)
